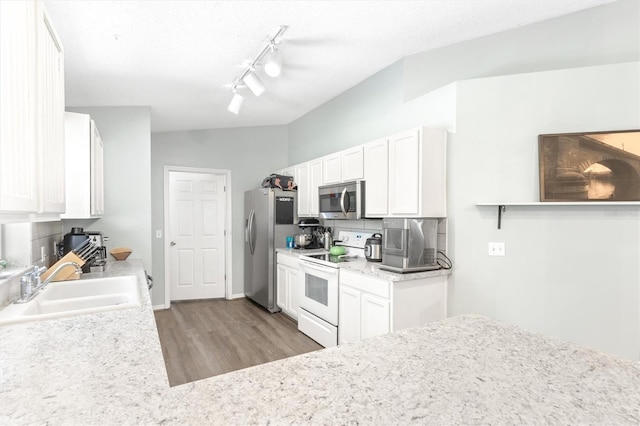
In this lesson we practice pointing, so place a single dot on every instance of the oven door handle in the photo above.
(307, 265)
(342, 202)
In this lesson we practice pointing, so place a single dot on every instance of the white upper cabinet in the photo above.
(308, 178)
(343, 166)
(84, 167)
(50, 115)
(31, 111)
(376, 176)
(18, 144)
(315, 180)
(352, 164)
(304, 189)
(331, 168)
(417, 173)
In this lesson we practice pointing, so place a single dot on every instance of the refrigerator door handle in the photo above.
(252, 215)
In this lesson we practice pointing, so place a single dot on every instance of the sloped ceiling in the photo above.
(178, 57)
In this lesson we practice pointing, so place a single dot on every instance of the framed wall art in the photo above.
(590, 166)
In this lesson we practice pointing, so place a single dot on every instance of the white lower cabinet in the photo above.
(288, 285)
(370, 306)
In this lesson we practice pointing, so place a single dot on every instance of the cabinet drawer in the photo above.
(365, 283)
(287, 260)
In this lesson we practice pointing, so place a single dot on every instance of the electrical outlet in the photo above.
(43, 253)
(496, 249)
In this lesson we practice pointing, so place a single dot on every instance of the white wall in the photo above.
(126, 135)
(250, 153)
(556, 277)
(570, 272)
(602, 35)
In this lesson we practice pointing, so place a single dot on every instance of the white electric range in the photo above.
(318, 316)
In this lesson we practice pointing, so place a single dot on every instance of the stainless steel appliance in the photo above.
(409, 245)
(318, 315)
(270, 216)
(373, 248)
(342, 200)
(309, 238)
(100, 259)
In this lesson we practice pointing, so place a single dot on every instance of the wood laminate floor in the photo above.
(204, 338)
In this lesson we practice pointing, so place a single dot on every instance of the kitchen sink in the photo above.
(78, 297)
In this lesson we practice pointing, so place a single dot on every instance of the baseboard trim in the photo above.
(237, 296)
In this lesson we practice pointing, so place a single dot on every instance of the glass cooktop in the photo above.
(333, 259)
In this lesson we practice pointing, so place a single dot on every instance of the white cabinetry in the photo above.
(308, 177)
(31, 110)
(50, 115)
(352, 164)
(304, 189)
(315, 180)
(417, 174)
(376, 176)
(84, 167)
(331, 169)
(288, 283)
(370, 306)
(343, 166)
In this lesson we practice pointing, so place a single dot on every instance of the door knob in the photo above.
(173, 243)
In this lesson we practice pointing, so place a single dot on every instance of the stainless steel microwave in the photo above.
(342, 200)
(409, 245)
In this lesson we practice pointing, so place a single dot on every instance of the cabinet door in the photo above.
(18, 83)
(349, 315)
(281, 286)
(376, 176)
(97, 175)
(289, 171)
(352, 164)
(315, 180)
(295, 286)
(331, 168)
(50, 128)
(404, 174)
(304, 189)
(376, 316)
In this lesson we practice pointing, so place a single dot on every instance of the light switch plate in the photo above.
(496, 249)
(158, 233)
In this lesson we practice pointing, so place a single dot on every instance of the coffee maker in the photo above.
(100, 258)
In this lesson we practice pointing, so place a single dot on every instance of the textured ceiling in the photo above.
(178, 56)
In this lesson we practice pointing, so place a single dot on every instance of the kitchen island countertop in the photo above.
(108, 369)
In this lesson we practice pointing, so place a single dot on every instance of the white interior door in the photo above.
(196, 240)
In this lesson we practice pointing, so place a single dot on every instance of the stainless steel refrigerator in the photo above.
(269, 216)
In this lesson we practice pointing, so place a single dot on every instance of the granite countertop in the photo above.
(108, 369)
(372, 269)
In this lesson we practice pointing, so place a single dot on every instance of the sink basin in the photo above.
(78, 297)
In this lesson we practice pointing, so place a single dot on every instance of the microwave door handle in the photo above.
(343, 198)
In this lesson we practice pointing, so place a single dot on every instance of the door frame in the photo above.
(228, 238)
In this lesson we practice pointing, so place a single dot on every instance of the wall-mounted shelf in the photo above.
(502, 206)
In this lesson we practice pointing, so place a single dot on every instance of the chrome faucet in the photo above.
(31, 284)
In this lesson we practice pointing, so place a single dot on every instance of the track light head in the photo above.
(273, 65)
(254, 83)
(236, 103)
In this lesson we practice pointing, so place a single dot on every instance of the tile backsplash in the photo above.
(25, 244)
(375, 225)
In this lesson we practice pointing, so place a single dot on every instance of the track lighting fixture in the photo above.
(254, 83)
(273, 66)
(249, 78)
(236, 103)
